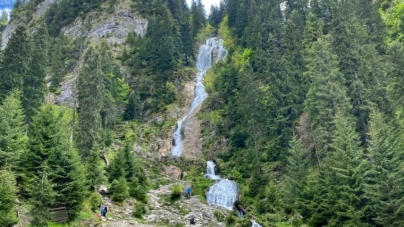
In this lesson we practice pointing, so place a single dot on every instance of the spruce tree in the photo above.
(42, 198)
(359, 62)
(326, 95)
(34, 87)
(296, 173)
(341, 175)
(50, 147)
(90, 99)
(8, 195)
(383, 174)
(13, 139)
(15, 64)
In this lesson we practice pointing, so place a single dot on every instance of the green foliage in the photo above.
(8, 196)
(200, 185)
(139, 210)
(51, 150)
(382, 195)
(219, 216)
(64, 12)
(16, 53)
(230, 219)
(119, 189)
(296, 171)
(327, 93)
(176, 191)
(43, 197)
(90, 90)
(95, 199)
(13, 139)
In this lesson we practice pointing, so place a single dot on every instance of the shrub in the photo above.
(219, 216)
(230, 219)
(176, 192)
(139, 210)
(119, 189)
(95, 200)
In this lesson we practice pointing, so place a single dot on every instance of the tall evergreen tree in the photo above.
(90, 99)
(15, 64)
(50, 148)
(341, 175)
(327, 93)
(296, 167)
(383, 174)
(8, 195)
(42, 197)
(360, 63)
(34, 87)
(198, 15)
(13, 139)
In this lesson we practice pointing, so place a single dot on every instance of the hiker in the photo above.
(105, 212)
(189, 192)
(102, 210)
(192, 220)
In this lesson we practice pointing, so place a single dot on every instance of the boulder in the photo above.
(103, 190)
(172, 172)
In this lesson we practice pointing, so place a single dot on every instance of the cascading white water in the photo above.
(203, 63)
(255, 224)
(223, 193)
(210, 171)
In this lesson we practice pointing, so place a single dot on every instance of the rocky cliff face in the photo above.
(113, 26)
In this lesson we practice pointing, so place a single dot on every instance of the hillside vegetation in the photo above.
(305, 113)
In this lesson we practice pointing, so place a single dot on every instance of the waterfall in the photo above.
(255, 224)
(210, 171)
(203, 63)
(223, 193)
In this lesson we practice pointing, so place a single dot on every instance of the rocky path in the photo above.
(163, 212)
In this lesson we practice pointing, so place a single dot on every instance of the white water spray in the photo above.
(210, 171)
(224, 192)
(203, 63)
(255, 224)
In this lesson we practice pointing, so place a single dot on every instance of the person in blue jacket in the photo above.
(189, 192)
(102, 210)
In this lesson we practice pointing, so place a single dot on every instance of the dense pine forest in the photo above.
(305, 113)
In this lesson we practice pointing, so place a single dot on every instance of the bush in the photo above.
(138, 192)
(95, 200)
(139, 210)
(219, 216)
(176, 192)
(199, 185)
(119, 189)
(230, 219)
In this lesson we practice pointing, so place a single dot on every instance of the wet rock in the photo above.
(103, 190)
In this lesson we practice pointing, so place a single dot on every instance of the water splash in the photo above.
(223, 193)
(204, 62)
(255, 224)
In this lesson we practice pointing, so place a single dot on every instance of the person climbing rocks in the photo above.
(189, 192)
(102, 210)
(192, 220)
